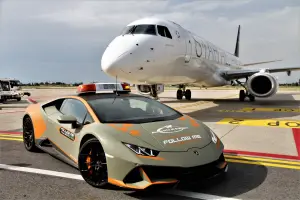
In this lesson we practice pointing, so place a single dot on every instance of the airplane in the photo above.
(153, 52)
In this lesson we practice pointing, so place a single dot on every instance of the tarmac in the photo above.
(261, 138)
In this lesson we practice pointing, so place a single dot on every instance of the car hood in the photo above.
(179, 134)
(173, 135)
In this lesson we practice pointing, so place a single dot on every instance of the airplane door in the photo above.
(188, 54)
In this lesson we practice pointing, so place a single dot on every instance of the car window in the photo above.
(75, 108)
(88, 119)
(133, 109)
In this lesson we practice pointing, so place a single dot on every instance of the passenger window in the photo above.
(164, 31)
(75, 108)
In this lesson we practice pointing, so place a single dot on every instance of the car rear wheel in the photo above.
(92, 163)
(28, 135)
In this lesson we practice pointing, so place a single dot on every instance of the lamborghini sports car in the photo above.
(123, 139)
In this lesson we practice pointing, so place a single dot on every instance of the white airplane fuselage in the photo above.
(147, 57)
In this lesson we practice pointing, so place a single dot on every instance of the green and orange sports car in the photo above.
(123, 139)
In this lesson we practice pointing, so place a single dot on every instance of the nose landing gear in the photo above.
(183, 92)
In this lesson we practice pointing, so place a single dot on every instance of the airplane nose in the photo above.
(111, 64)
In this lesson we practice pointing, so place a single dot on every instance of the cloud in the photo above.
(63, 39)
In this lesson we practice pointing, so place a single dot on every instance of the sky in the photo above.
(63, 40)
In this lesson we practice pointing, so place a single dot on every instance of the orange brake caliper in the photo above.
(88, 161)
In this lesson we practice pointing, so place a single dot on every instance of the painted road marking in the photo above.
(10, 135)
(272, 109)
(262, 122)
(263, 159)
(244, 111)
(196, 195)
(247, 110)
(79, 177)
(264, 164)
(13, 137)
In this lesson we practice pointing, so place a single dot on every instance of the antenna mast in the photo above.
(117, 86)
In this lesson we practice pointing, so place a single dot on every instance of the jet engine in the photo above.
(147, 91)
(262, 85)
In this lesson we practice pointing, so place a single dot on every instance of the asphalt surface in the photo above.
(243, 181)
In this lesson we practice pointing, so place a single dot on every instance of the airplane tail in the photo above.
(237, 51)
(237, 45)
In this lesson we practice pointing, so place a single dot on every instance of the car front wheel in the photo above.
(92, 163)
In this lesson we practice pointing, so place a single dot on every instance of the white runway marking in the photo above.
(195, 195)
(41, 171)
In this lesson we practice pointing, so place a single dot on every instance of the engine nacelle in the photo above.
(146, 89)
(262, 85)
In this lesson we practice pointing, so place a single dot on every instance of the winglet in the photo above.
(237, 45)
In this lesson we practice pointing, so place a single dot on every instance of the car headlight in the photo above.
(214, 138)
(142, 150)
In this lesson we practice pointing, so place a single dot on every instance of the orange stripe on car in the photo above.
(125, 128)
(151, 157)
(38, 122)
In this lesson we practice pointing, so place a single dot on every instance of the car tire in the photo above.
(92, 151)
(28, 135)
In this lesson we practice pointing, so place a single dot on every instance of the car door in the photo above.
(67, 133)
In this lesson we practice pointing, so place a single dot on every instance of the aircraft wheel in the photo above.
(19, 99)
(242, 95)
(251, 97)
(188, 94)
(179, 94)
(28, 135)
(92, 163)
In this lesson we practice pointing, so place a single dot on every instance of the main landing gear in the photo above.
(153, 92)
(244, 93)
(183, 92)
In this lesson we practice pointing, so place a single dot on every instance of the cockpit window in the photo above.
(127, 30)
(140, 29)
(164, 31)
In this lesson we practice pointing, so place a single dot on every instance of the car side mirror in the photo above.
(67, 119)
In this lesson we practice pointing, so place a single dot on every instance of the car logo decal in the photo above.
(196, 152)
(67, 133)
(170, 129)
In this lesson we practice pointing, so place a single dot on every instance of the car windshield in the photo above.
(5, 85)
(133, 109)
(15, 83)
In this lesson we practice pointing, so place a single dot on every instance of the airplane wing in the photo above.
(243, 73)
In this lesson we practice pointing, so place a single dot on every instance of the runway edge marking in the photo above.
(79, 177)
(260, 154)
